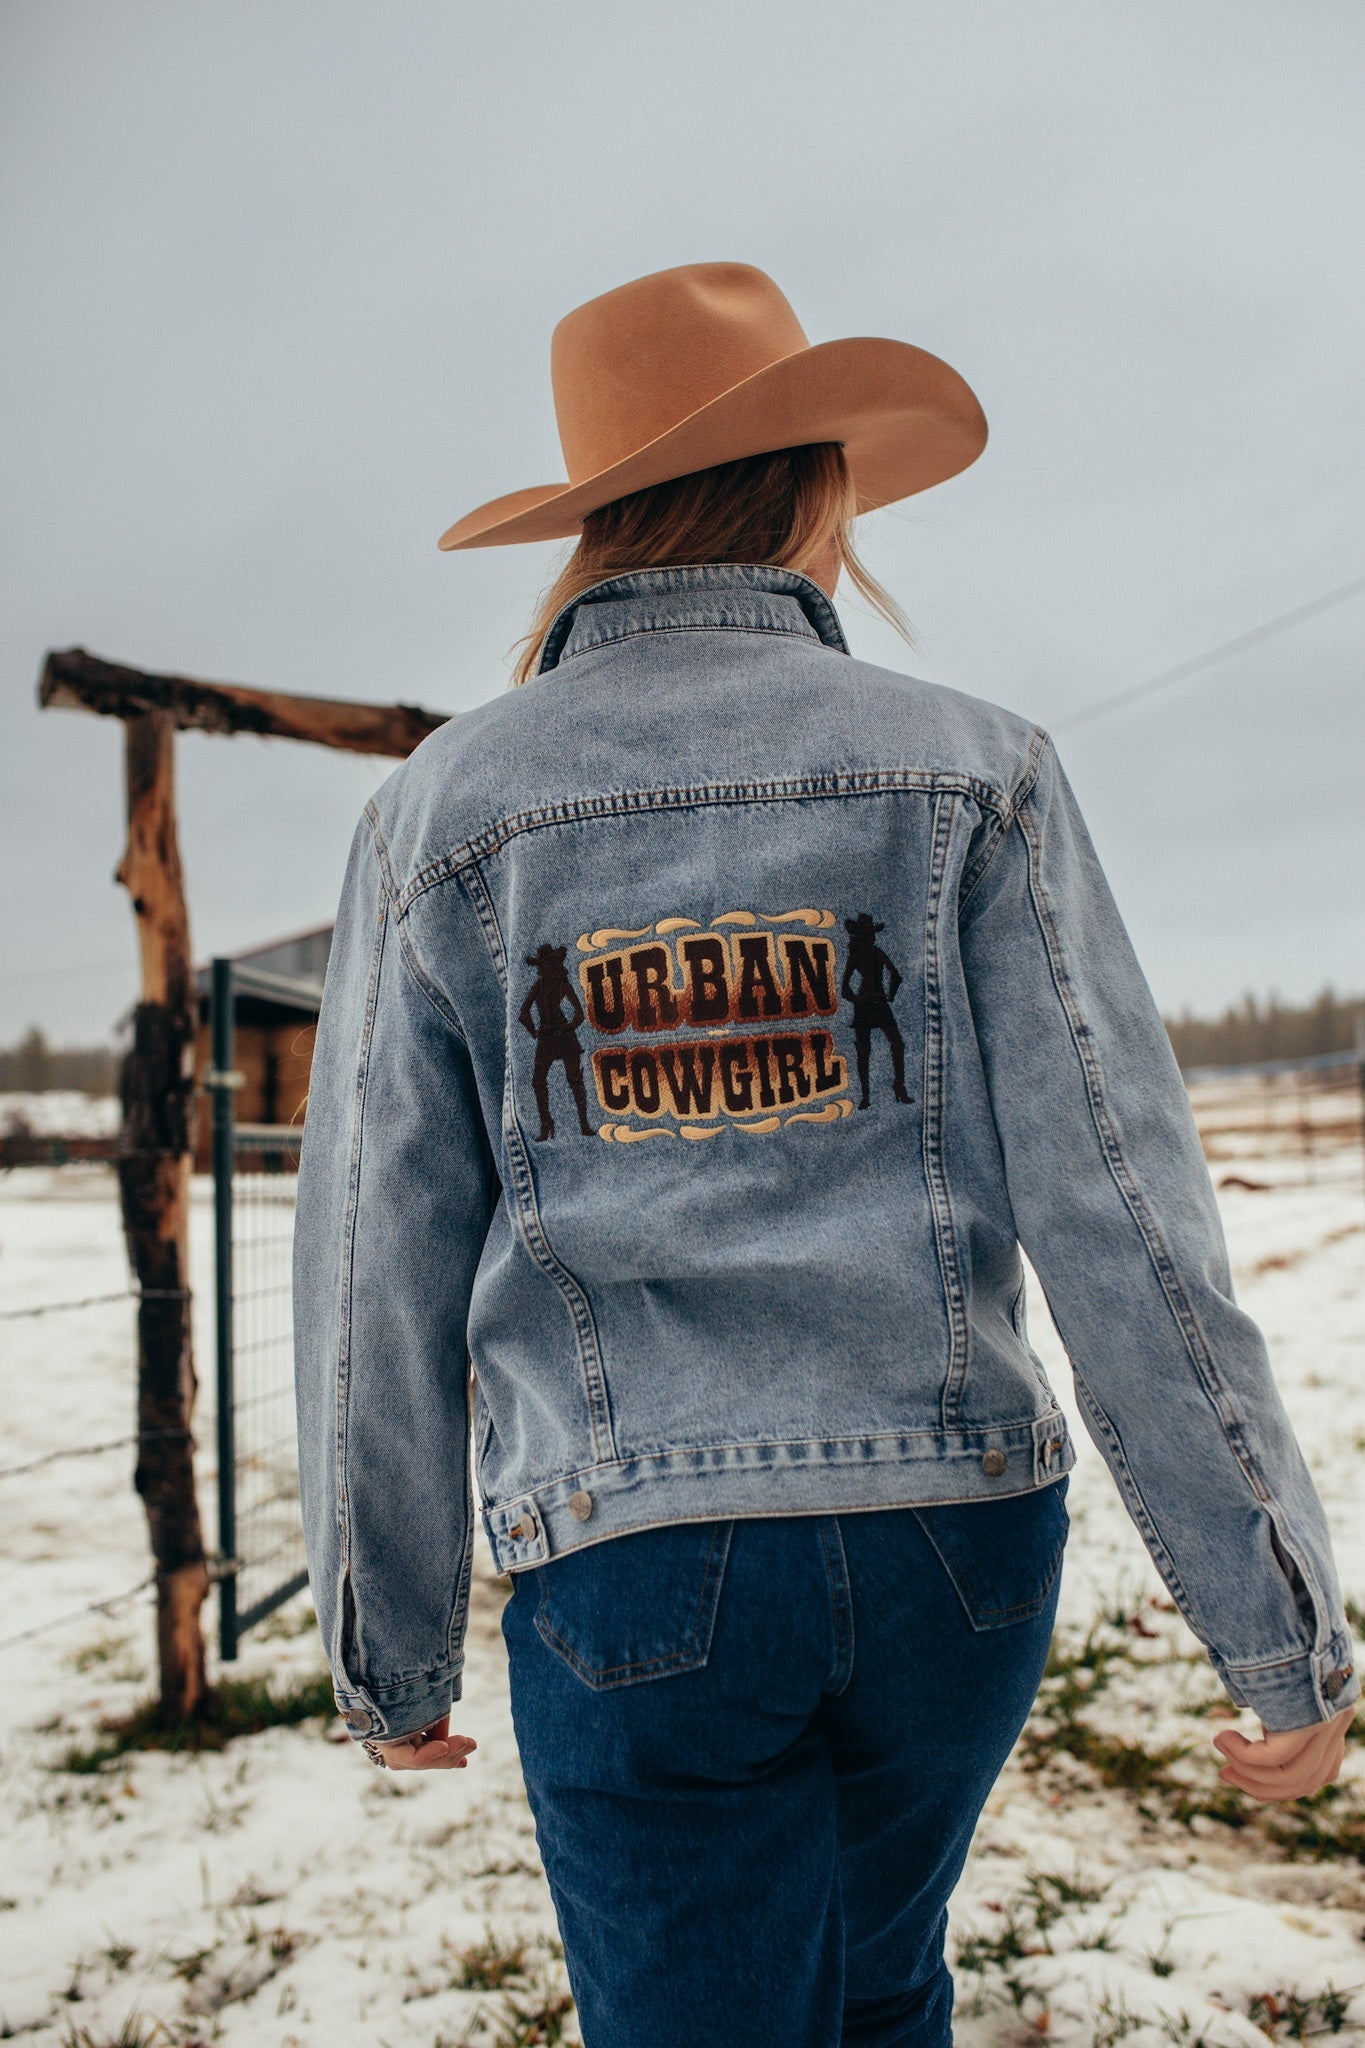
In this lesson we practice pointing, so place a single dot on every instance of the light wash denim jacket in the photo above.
(708, 1024)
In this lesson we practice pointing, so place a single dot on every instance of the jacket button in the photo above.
(993, 1464)
(1335, 1683)
(525, 1528)
(580, 1506)
(356, 1717)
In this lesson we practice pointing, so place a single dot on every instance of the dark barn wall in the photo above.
(274, 1054)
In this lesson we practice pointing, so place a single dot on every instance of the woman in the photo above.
(708, 1024)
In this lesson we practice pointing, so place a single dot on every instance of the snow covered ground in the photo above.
(60, 1113)
(282, 1892)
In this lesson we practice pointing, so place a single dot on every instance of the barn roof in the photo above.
(282, 978)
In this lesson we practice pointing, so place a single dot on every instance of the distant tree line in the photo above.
(33, 1066)
(1250, 1031)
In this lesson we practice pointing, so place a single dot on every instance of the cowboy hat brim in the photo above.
(905, 419)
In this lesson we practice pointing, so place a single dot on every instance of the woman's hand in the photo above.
(1287, 1765)
(434, 1748)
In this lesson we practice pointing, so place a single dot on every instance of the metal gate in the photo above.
(260, 1536)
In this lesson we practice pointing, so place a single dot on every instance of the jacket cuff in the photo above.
(385, 1713)
(1293, 1692)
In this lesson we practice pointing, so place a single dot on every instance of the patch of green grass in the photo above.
(1125, 1766)
(1114, 2022)
(1214, 1801)
(190, 1968)
(1177, 1781)
(1054, 1892)
(136, 2032)
(1076, 1675)
(1020, 1931)
(1300, 2015)
(1021, 1927)
(1016, 1937)
(1160, 1961)
(235, 1707)
(537, 2022)
(280, 1943)
(1074, 1678)
(488, 1965)
(1327, 1828)
(251, 1892)
(534, 2008)
(288, 1623)
(1178, 2029)
(90, 1656)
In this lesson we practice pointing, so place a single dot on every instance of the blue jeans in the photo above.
(756, 1751)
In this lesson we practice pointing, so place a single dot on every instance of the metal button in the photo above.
(355, 1717)
(525, 1528)
(1335, 1683)
(993, 1464)
(580, 1506)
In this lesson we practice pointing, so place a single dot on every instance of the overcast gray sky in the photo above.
(279, 279)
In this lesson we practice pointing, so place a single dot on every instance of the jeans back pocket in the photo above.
(1002, 1556)
(637, 1606)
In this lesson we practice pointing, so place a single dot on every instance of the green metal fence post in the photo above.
(222, 1082)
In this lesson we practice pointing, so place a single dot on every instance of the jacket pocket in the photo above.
(1001, 1555)
(635, 1607)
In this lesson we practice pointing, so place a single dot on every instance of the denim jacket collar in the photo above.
(750, 597)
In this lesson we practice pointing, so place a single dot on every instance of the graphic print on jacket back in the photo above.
(555, 1034)
(696, 1029)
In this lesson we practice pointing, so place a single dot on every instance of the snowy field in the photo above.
(282, 1892)
(60, 1113)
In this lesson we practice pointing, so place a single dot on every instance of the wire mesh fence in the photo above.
(259, 1561)
(261, 1469)
(260, 1537)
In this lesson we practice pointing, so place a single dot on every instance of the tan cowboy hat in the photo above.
(703, 364)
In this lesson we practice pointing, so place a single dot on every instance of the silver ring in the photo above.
(375, 1754)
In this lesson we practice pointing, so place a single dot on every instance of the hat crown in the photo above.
(628, 366)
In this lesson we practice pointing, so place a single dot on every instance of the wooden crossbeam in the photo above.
(74, 680)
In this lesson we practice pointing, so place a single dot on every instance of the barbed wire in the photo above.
(52, 1308)
(64, 1620)
(113, 1443)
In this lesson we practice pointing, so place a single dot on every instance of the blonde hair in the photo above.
(783, 508)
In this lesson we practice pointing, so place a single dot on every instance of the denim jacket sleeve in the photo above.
(1114, 1206)
(396, 1184)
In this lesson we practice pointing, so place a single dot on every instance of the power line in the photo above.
(1283, 624)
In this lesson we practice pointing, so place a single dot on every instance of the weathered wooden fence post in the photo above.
(154, 1183)
(158, 1083)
